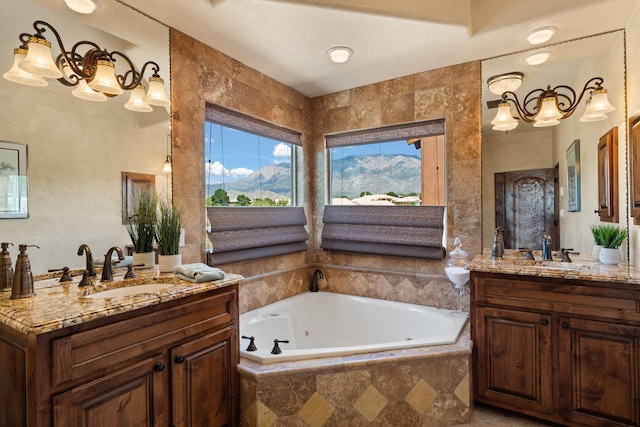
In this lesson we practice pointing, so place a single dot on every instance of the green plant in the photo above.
(142, 225)
(609, 236)
(168, 227)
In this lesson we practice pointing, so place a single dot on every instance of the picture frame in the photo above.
(14, 181)
(573, 177)
(134, 184)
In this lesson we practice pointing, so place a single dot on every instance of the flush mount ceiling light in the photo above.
(537, 58)
(81, 6)
(507, 82)
(540, 35)
(546, 107)
(339, 54)
(88, 67)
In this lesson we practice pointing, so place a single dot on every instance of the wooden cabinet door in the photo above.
(608, 177)
(599, 373)
(134, 396)
(204, 381)
(514, 359)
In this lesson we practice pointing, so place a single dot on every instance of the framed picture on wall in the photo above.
(573, 177)
(14, 185)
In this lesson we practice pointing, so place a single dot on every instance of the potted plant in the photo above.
(611, 238)
(141, 228)
(168, 228)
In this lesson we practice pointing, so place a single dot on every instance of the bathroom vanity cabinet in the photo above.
(565, 350)
(170, 364)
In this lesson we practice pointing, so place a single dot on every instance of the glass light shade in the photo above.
(549, 110)
(600, 102)
(17, 75)
(39, 60)
(136, 101)
(504, 121)
(537, 58)
(167, 165)
(156, 94)
(83, 91)
(81, 6)
(590, 115)
(545, 123)
(105, 78)
(502, 83)
(339, 54)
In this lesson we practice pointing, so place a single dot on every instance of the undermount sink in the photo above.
(148, 288)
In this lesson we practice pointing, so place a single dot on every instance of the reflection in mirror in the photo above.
(524, 170)
(78, 149)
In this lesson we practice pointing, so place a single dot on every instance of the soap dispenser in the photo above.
(6, 269)
(497, 250)
(23, 278)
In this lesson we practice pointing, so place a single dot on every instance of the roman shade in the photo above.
(408, 231)
(389, 133)
(244, 233)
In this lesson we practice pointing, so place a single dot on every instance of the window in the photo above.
(248, 162)
(407, 172)
(387, 191)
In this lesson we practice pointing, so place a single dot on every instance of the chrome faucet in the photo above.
(89, 266)
(107, 269)
(546, 247)
(314, 281)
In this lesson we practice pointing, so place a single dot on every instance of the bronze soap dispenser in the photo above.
(23, 278)
(6, 269)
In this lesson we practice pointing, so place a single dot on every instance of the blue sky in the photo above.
(232, 154)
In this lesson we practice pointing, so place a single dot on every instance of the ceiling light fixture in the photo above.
(540, 35)
(81, 6)
(546, 107)
(537, 58)
(339, 54)
(507, 82)
(92, 72)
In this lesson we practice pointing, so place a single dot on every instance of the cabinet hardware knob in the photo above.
(158, 367)
(565, 325)
(179, 359)
(545, 322)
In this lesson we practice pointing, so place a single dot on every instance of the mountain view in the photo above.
(352, 175)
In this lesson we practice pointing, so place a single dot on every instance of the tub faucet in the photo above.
(546, 247)
(90, 266)
(107, 269)
(314, 281)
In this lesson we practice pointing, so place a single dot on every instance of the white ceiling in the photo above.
(288, 39)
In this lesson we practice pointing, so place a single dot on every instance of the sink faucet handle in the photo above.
(66, 277)
(276, 347)
(86, 280)
(565, 254)
(252, 345)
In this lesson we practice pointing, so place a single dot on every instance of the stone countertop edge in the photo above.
(56, 307)
(583, 267)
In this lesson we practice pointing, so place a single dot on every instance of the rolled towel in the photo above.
(198, 272)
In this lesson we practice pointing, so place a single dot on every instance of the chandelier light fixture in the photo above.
(88, 67)
(546, 107)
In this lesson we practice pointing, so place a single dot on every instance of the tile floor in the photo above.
(490, 417)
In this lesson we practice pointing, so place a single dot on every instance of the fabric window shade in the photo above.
(408, 231)
(244, 233)
(233, 119)
(389, 133)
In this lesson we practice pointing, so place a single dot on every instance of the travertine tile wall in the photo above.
(201, 74)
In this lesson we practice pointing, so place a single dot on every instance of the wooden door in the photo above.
(134, 396)
(598, 373)
(526, 207)
(608, 209)
(514, 359)
(204, 381)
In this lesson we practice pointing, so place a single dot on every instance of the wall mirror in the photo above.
(528, 151)
(78, 149)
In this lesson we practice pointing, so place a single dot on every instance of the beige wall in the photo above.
(201, 74)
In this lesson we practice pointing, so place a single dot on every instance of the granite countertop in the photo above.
(57, 305)
(583, 267)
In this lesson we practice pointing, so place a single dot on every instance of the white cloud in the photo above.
(218, 169)
(282, 150)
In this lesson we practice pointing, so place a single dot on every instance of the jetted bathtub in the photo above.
(322, 324)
